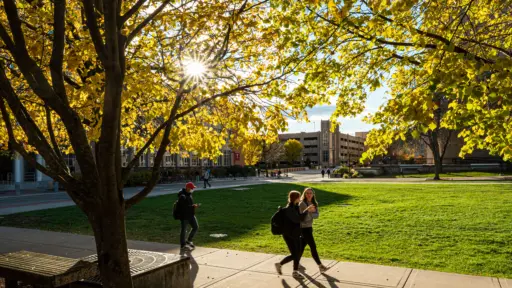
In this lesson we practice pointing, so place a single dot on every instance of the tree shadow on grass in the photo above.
(241, 214)
(247, 213)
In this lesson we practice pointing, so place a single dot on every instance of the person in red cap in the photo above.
(187, 209)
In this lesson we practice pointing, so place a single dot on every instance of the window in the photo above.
(194, 160)
(311, 138)
(151, 160)
(311, 154)
(185, 161)
(325, 139)
(227, 158)
(142, 161)
(310, 146)
(219, 161)
(168, 161)
(325, 156)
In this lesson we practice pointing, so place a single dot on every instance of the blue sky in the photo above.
(348, 125)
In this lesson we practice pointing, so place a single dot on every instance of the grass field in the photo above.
(455, 228)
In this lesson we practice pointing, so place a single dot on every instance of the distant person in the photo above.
(187, 211)
(328, 173)
(308, 198)
(323, 173)
(206, 178)
(291, 232)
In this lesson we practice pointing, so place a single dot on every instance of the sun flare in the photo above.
(195, 68)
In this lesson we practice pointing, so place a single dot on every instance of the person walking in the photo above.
(308, 198)
(206, 178)
(328, 173)
(323, 173)
(291, 232)
(187, 209)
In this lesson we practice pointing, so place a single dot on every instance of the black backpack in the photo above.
(277, 221)
(175, 211)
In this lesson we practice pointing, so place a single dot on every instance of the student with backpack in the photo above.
(323, 173)
(184, 210)
(206, 178)
(328, 173)
(290, 218)
(308, 198)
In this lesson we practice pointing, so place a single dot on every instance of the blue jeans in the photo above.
(193, 223)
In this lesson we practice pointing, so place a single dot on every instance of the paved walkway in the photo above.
(228, 268)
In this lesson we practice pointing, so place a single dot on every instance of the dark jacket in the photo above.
(185, 203)
(292, 221)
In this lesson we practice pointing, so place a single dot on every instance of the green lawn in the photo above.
(455, 228)
(453, 175)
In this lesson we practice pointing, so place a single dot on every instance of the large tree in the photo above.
(153, 75)
(461, 46)
(399, 120)
(292, 150)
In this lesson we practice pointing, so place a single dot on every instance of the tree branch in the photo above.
(445, 144)
(146, 21)
(15, 23)
(56, 60)
(135, 8)
(92, 25)
(50, 131)
(160, 154)
(34, 134)
(71, 82)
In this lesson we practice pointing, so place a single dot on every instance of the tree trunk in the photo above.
(109, 226)
(437, 156)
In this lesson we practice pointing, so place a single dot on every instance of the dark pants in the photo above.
(294, 247)
(206, 182)
(307, 239)
(193, 223)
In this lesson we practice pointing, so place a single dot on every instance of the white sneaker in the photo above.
(278, 268)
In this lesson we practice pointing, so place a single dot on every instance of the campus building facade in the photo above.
(326, 148)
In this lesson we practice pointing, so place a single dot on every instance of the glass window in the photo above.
(325, 156)
(227, 158)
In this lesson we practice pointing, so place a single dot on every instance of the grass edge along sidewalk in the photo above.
(452, 228)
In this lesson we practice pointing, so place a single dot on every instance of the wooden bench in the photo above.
(149, 270)
(41, 270)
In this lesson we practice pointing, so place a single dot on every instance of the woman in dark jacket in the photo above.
(291, 233)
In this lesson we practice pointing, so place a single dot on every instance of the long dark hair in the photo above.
(292, 196)
(313, 199)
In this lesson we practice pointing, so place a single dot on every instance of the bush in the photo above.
(138, 178)
(346, 176)
(341, 170)
(356, 174)
(219, 172)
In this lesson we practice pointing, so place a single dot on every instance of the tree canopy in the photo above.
(418, 49)
(292, 150)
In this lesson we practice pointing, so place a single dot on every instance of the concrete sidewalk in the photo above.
(227, 268)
